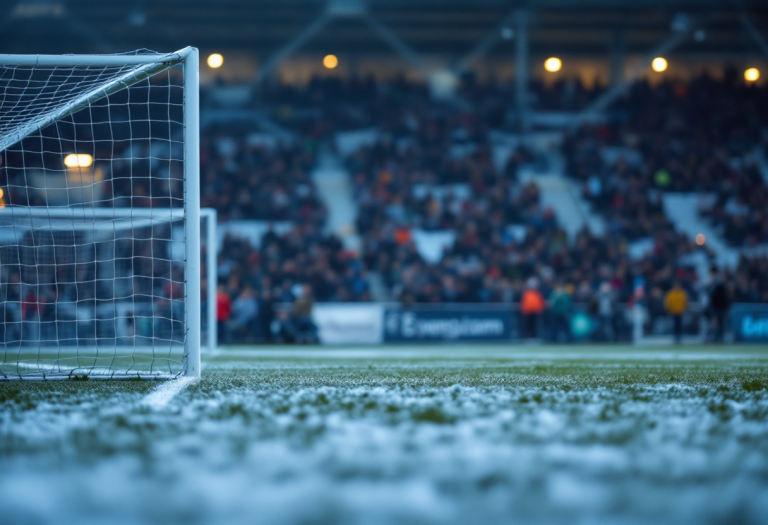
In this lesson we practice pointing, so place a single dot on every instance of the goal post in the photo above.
(99, 172)
(209, 223)
(191, 59)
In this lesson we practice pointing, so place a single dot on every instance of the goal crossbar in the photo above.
(94, 60)
(150, 65)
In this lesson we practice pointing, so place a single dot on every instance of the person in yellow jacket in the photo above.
(675, 303)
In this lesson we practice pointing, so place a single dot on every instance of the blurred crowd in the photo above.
(327, 105)
(252, 176)
(301, 264)
(747, 283)
(706, 136)
(435, 167)
(436, 170)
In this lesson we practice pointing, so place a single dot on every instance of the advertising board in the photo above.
(449, 323)
(348, 323)
(749, 323)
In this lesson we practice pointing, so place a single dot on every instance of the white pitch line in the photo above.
(164, 393)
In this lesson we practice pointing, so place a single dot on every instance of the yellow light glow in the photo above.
(751, 74)
(553, 64)
(659, 64)
(215, 60)
(2, 193)
(78, 160)
(330, 61)
(700, 239)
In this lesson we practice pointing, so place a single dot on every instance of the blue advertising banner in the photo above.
(749, 323)
(449, 323)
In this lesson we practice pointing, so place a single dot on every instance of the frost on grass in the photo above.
(478, 441)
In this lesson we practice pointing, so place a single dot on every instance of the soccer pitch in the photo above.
(427, 434)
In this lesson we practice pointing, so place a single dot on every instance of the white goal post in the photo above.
(209, 224)
(100, 220)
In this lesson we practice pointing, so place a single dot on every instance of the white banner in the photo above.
(349, 323)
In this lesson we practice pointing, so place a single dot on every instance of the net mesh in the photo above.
(92, 222)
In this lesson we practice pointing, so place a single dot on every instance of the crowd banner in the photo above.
(348, 323)
(749, 323)
(449, 323)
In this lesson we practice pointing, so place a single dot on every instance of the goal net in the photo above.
(100, 270)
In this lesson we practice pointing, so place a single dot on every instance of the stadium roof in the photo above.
(427, 26)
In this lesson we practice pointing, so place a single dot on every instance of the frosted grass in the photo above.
(500, 438)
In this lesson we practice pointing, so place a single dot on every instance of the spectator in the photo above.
(266, 314)
(637, 306)
(605, 306)
(560, 307)
(719, 302)
(532, 306)
(223, 312)
(676, 303)
(245, 310)
(284, 329)
(302, 315)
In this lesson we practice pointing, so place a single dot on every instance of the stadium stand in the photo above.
(703, 136)
(252, 176)
(442, 211)
(444, 217)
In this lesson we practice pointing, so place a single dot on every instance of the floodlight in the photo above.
(659, 64)
(78, 160)
(751, 74)
(330, 61)
(215, 60)
(553, 64)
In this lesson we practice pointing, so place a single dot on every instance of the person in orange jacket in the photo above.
(532, 306)
(675, 303)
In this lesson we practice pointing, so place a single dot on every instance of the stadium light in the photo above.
(215, 60)
(78, 160)
(751, 74)
(701, 239)
(659, 64)
(553, 64)
(330, 61)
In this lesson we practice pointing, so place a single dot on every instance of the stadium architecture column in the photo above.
(602, 102)
(617, 52)
(754, 33)
(677, 37)
(290, 47)
(338, 9)
(485, 45)
(521, 68)
(192, 210)
(397, 44)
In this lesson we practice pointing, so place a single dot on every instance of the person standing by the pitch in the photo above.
(532, 305)
(719, 302)
(676, 303)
